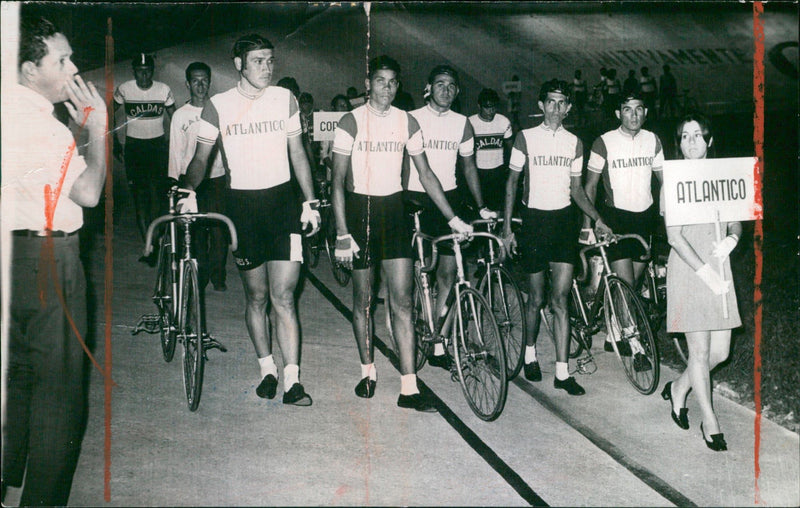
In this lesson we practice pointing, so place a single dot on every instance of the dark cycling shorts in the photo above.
(547, 236)
(379, 227)
(625, 222)
(493, 187)
(431, 219)
(146, 161)
(267, 225)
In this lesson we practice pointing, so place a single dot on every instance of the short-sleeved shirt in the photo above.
(38, 151)
(183, 141)
(627, 164)
(489, 138)
(446, 136)
(375, 142)
(550, 159)
(254, 133)
(648, 84)
(144, 109)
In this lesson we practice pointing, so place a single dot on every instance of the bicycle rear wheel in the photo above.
(191, 333)
(626, 320)
(162, 297)
(505, 298)
(480, 355)
(340, 273)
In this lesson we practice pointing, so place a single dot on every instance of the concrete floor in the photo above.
(609, 447)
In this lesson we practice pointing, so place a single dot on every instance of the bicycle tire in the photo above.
(162, 296)
(191, 333)
(479, 355)
(340, 273)
(508, 306)
(627, 320)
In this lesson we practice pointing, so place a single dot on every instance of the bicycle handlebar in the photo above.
(148, 242)
(456, 237)
(498, 221)
(605, 243)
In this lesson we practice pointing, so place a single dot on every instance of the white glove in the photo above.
(459, 226)
(485, 213)
(346, 249)
(587, 237)
(723, 249)
(187, 204)
(310, 215)
(713, 280)
(510, 243)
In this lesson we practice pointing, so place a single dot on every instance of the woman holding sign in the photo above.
(694, 296)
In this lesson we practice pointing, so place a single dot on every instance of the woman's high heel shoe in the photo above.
(682, 418)
(717, 442)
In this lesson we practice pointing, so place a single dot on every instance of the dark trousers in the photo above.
(211, 237)
(46, 403)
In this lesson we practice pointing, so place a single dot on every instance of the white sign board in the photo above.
(512, 86)
(695, 190)
(325, 123)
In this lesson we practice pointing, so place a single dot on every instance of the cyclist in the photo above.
(626, 158)
(492, 145)
(371, 222)
(148, 105)
(447, 136)
(257, 127)
(211, 242)
(552, 158)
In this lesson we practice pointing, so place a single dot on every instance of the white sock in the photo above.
(438, 349)
(369, 370)
(530, 354)
(562, 370)
(408, 384)
(268, 366)
(291, 375)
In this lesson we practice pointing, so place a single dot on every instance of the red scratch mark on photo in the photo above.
(758, 234)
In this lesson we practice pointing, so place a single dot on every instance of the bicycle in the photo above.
(177, 283)
(616, 305)
(327, 235)
(475, 344)
(504, 295)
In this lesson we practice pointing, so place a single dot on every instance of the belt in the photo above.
(31, 233)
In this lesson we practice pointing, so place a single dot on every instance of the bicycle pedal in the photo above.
(150, 323)
(212, 343)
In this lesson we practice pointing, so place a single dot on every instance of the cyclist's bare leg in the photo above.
(363, 283)
(628, 270)
(399, 286)
(536, 283)
(706, 351)
(283, 277)
(560, 285)
(256, 294)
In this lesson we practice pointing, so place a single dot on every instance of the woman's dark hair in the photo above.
(705, 127)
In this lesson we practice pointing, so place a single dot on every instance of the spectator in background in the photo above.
(694, 301)
(356, 99)
(148, 105)
(45, 412)
(290, 84)
(668, 88)
(647, 85)
(631, 84)
(492, 146)
(211, 242)
(338, 103)
(580, 96)
(306, 103)
(613, 89)
(403, 100)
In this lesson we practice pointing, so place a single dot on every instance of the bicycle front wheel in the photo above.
(480, 355)
(627, 321)
(191, 332)
(162, 296)
(340, 273)
(505, 298)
